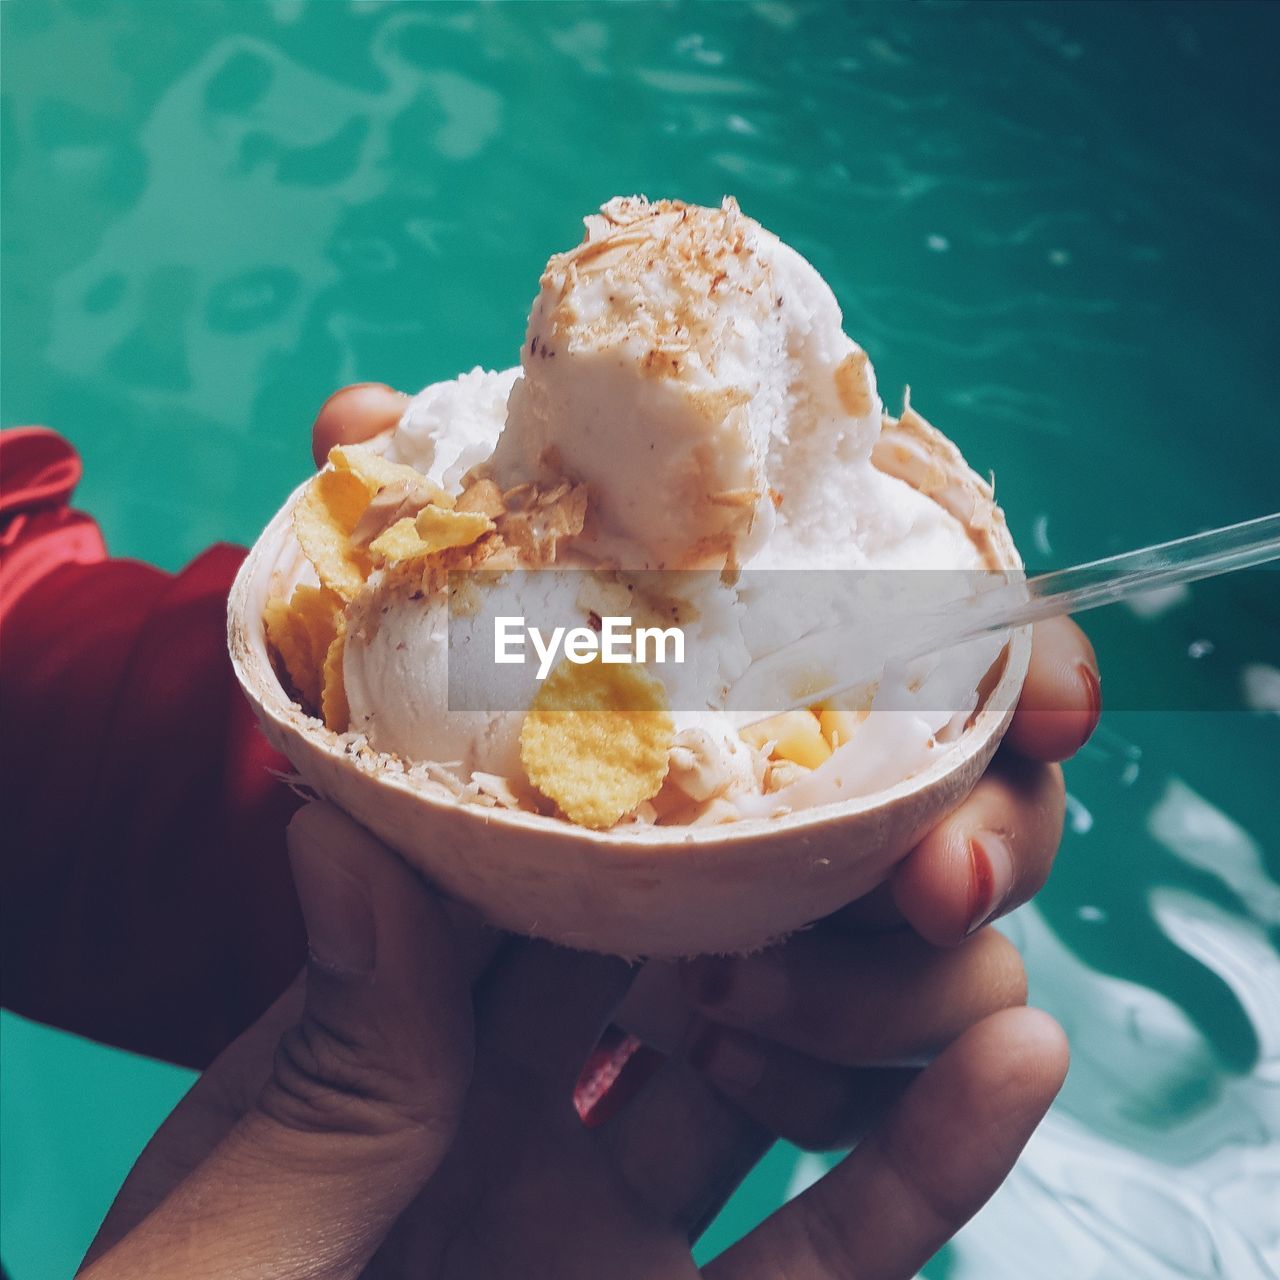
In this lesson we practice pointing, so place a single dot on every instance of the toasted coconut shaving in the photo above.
(853, 385)
(519, 497)
(483, 496)
(596, 740)
(537, 521)
(715, 405)
(734, 498)
(488, 552)
(399, 501)
(549, 497)
(377, 473)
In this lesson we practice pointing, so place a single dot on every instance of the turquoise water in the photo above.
(1057, 223)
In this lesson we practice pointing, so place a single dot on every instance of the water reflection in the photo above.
(211, 221)
(1153, 1163)
(1160, 1158)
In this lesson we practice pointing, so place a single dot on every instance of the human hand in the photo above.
(298, 1149)
(812, 1038)
(354, 414)
(362, 1140)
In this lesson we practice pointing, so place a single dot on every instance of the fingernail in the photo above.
(709, 979)
(1093, 696)
(990, 878)
(728, 1060)
(336, 909)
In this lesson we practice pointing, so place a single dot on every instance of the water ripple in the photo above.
(1056, 222)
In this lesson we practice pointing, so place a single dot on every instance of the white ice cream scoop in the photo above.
(692, 370)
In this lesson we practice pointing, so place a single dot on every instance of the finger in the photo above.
(221, 1095)
(859, 1001)
(1061, 699)
(477, 943)
(991, 854)
(365, 1091)
(944, 1148)
(709, 1114)
(655, 1009)
(874, 912)
(1058, 712)
(540, 1012)
(354, 414)
(813, 1104)
(682, 1147)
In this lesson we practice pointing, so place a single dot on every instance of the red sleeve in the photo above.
(146, 892)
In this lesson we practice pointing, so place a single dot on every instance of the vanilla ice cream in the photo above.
(686, 381)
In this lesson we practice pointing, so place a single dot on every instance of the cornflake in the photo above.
(324, 520)
(432, 530)
(376, 472)
(332, 520)
(302, 633)
(334, 709)
(596, 740)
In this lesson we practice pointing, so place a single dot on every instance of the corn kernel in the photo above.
(838, 724)
(796, 736)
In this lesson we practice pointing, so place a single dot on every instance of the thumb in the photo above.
(364, 1094)
(382, 1054)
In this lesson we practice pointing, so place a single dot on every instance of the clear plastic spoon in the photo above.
(832, 660)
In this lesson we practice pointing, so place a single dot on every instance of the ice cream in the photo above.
(687, 403)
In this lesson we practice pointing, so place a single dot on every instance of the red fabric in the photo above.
(147, 899)
(146, 892)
